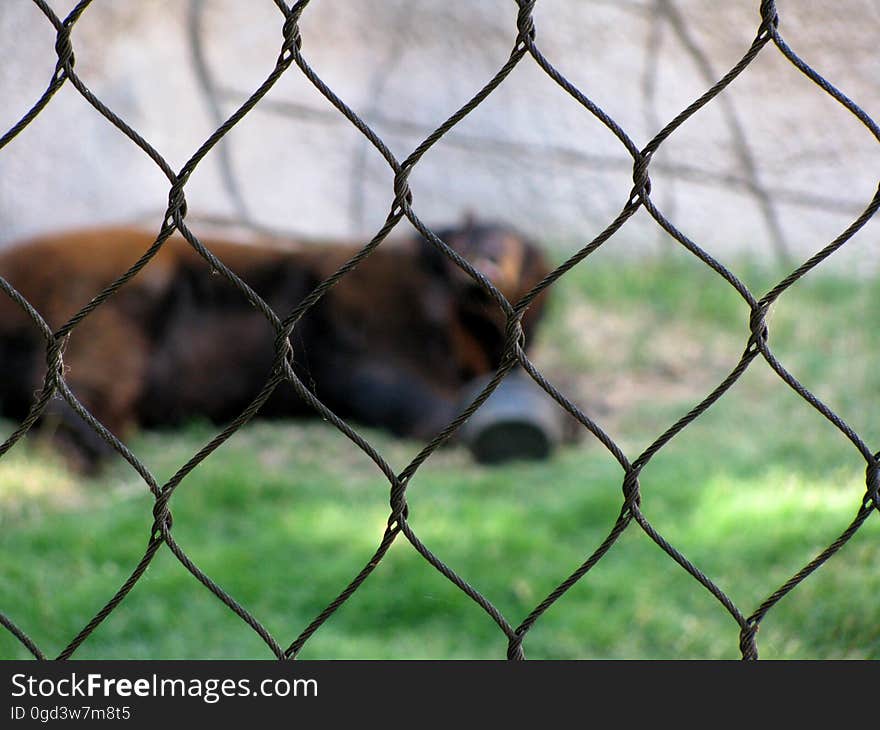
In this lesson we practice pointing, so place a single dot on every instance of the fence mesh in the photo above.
(525, 49)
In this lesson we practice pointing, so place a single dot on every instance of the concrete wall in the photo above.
(774, 162)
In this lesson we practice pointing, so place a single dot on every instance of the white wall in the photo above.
(529, 155)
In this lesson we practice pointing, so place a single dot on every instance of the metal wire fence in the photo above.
(525, 49)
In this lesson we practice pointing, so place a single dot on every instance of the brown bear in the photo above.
(391, 345)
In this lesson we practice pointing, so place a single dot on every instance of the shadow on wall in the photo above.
(529, 154)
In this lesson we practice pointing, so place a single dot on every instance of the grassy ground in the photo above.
(284, 515)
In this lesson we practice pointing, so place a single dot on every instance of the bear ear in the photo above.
(469, 220)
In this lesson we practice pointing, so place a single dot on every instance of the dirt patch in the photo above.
(612, 363)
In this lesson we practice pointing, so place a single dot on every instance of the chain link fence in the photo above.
(526, 49)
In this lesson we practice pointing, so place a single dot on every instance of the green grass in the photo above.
(283, 516)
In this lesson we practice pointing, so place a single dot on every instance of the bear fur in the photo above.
(391, 345)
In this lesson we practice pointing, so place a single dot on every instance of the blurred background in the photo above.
(285, 515)
(774, 165)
